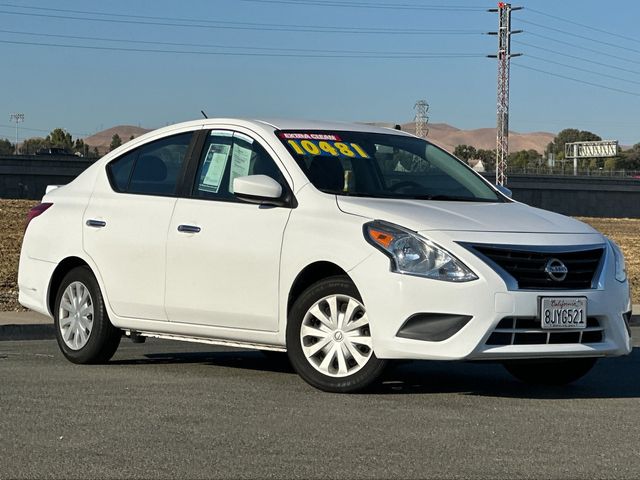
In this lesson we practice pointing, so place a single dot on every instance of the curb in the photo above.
(27, 332)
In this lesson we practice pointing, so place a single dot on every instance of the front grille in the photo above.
(527, 267)
(527, 331)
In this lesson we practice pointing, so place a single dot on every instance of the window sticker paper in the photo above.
(214, 164)
(240, 162)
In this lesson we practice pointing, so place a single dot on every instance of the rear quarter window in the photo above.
(153, 169)
(119, 171)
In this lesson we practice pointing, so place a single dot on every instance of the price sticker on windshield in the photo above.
(326, 145)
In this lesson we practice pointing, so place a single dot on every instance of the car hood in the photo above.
(430, 215)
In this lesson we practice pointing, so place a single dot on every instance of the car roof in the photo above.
(301, 124)
(285, 124)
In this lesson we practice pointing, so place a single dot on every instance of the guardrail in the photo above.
(616, 197)
(27, 176)
(595, 172)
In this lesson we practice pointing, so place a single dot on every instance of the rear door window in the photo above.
(159, 164)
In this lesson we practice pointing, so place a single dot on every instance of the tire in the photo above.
(89, 336)
(550, 372)
(335, 354)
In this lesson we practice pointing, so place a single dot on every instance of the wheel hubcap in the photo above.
(75, 316)
(335, 336)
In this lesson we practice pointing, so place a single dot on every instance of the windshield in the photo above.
(383, 165)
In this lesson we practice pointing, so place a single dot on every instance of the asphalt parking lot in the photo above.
(178, 410)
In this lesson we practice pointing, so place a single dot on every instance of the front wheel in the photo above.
(83, 329)
(329, 338)
(550, 372)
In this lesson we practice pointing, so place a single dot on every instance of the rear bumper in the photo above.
(33, 283)
(392, 298)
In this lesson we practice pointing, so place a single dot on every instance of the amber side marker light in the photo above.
(382, 238)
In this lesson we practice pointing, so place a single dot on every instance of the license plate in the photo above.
(563, 312)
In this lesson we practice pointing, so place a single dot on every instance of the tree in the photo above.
(80, 147)
(31, 145)
(488, 158)
(570, 135)
(60, 138)
(465, 152)
(610, 163)
(629, 159)
(6, 147)
(524, 158)
(116, 141)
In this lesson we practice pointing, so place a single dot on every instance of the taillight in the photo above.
(35, 211)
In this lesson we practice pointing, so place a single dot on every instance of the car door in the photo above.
(223, 254)
(125, 224)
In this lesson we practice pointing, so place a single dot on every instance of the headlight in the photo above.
(621, 269)
(414, 255)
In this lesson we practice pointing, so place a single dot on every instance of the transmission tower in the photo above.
(504, 56)
(421, 119)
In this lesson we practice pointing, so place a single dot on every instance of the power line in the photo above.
(203, 45)
(255, 26)
(575, 57)
(76, 134)
(582, 69)
(369, 5)
(619, 90)
(590, 27)
(249, 54)
(581, 47)
(583, 37)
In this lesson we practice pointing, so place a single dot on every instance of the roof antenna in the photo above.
(398, 127)
(203, 114)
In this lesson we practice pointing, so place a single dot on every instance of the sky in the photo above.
(86, 65)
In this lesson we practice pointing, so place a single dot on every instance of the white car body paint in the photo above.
(231, 281)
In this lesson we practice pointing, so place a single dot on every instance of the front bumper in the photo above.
(392, 298)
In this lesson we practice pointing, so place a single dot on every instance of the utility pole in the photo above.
(16, 117)
(504, 56)
(421, 119)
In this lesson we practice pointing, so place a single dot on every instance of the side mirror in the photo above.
(258, 189)
(504, 190)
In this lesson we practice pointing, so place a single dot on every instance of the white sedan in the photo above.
(346, 246)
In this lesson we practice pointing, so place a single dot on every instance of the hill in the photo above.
(102, 140)
(448, 137)
(443, 134)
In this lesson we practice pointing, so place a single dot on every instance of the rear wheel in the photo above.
(550, 372)
(83, 329)
(329, 338)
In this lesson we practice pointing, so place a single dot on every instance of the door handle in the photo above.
(96, 223)
(188, 229)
